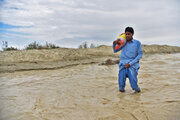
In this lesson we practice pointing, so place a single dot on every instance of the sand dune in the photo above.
(62, 57)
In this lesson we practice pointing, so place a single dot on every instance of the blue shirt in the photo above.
(130, 53)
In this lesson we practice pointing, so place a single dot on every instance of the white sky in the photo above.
(69, 23)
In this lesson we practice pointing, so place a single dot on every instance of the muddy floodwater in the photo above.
(90, 92)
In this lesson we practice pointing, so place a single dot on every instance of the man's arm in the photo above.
(139, 56)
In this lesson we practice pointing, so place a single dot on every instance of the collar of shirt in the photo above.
(131, 41)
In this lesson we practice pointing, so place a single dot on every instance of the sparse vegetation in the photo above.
(85, 45)
(9, 48)
(36, 45)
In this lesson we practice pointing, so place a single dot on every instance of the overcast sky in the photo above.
(69, 23)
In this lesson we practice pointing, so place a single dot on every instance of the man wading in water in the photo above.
(131, 53)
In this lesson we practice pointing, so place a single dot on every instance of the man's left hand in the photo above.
(127, 65)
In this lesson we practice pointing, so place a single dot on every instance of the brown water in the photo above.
(90, 92)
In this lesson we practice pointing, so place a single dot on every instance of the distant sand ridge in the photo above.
(62, 57)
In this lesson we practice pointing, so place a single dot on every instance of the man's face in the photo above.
(129, 36)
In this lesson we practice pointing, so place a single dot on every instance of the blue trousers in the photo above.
(131, 73)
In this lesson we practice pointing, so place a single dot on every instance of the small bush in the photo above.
(92, 45)
(9, 49)
(85, 45)
(35, 45)
(80, 46)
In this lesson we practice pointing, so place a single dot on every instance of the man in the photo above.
(131, 53)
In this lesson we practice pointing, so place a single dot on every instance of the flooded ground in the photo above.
(90, 92)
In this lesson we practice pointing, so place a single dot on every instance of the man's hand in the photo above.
(117, 41)
(127, 65)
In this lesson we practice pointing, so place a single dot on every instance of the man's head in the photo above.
(129, 31)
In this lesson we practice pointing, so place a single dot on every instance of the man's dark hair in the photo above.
(129, 29)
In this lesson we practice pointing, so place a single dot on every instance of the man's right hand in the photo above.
(117, 41)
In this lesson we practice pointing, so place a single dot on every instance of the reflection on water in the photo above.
(90, 92)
